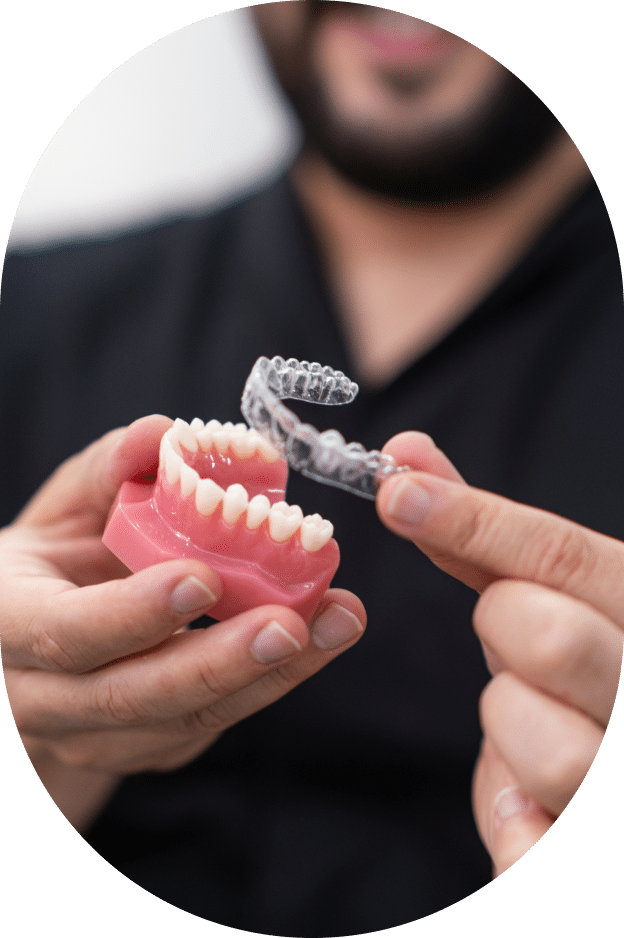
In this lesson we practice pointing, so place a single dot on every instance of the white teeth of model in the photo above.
(315, 532)
(266, 450)
(238, 437)
(258, 510)
(172, 461)
(208, 496)
(244, 442)
(234, 503)
(196, 425)
(221, 439)
(189, 479)
(185, 435)
(204, 437)
(284, 520)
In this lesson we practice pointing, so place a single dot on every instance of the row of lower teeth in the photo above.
(283, 520)
(237, 437)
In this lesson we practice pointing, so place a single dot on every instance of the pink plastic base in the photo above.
(254, 569)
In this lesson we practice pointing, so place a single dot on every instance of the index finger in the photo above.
(479, 537)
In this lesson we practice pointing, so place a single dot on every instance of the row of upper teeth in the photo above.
(237, 437)
(283, 520)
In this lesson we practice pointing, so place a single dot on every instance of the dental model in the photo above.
(219, 493)
(219, 497)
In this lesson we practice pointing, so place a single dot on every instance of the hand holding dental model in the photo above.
(102, 679)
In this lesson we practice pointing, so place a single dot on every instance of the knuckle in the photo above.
(492, 604)
(561, 770)
(476, 529)
(203, 722)
(556, 645)
(564, 557)
(53, 653)
(116, 704)
(212, 685)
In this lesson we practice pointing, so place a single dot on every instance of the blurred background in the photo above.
(136, 149)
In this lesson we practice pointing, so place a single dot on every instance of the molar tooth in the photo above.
(185, 435)
(284, 521)
(315, 534)
(188, 480)
(258, 509)
(196, 425)
(234, 503)
(208, 496)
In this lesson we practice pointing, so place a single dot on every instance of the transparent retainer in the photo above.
(325, 457)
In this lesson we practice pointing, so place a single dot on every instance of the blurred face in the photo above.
(400, 106)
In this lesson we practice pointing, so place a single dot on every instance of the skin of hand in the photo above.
(550, 618)
(101, 672)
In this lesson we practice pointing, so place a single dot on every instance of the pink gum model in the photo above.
(218, 498)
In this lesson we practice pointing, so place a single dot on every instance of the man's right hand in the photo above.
(101, 673)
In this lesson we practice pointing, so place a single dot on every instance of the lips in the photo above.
(219, 498)
(387, 34)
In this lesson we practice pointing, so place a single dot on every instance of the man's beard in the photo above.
(463, 158)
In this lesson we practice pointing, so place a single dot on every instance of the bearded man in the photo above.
(440, 240)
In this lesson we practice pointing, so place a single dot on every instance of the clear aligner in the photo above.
(325, 457)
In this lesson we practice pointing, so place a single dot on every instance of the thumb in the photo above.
(86, 484)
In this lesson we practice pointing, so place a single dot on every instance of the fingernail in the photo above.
(408, 503)
(273, 644)
(509, 802)
(335, 626)
(191, 595)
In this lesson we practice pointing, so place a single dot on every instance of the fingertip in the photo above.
(134, 455)
(418, 450)
(347, 600)
(407, 442)
(402, 503)
(183, 587)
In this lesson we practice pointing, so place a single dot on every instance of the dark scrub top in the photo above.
(345, 807)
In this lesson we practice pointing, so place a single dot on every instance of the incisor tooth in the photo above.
(185, 435)
(258, 510)
(188, 480)
(208, 496)
(234, 503)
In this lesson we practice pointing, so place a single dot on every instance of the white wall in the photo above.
(186, 122)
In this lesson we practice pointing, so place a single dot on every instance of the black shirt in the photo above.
(345, 807)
